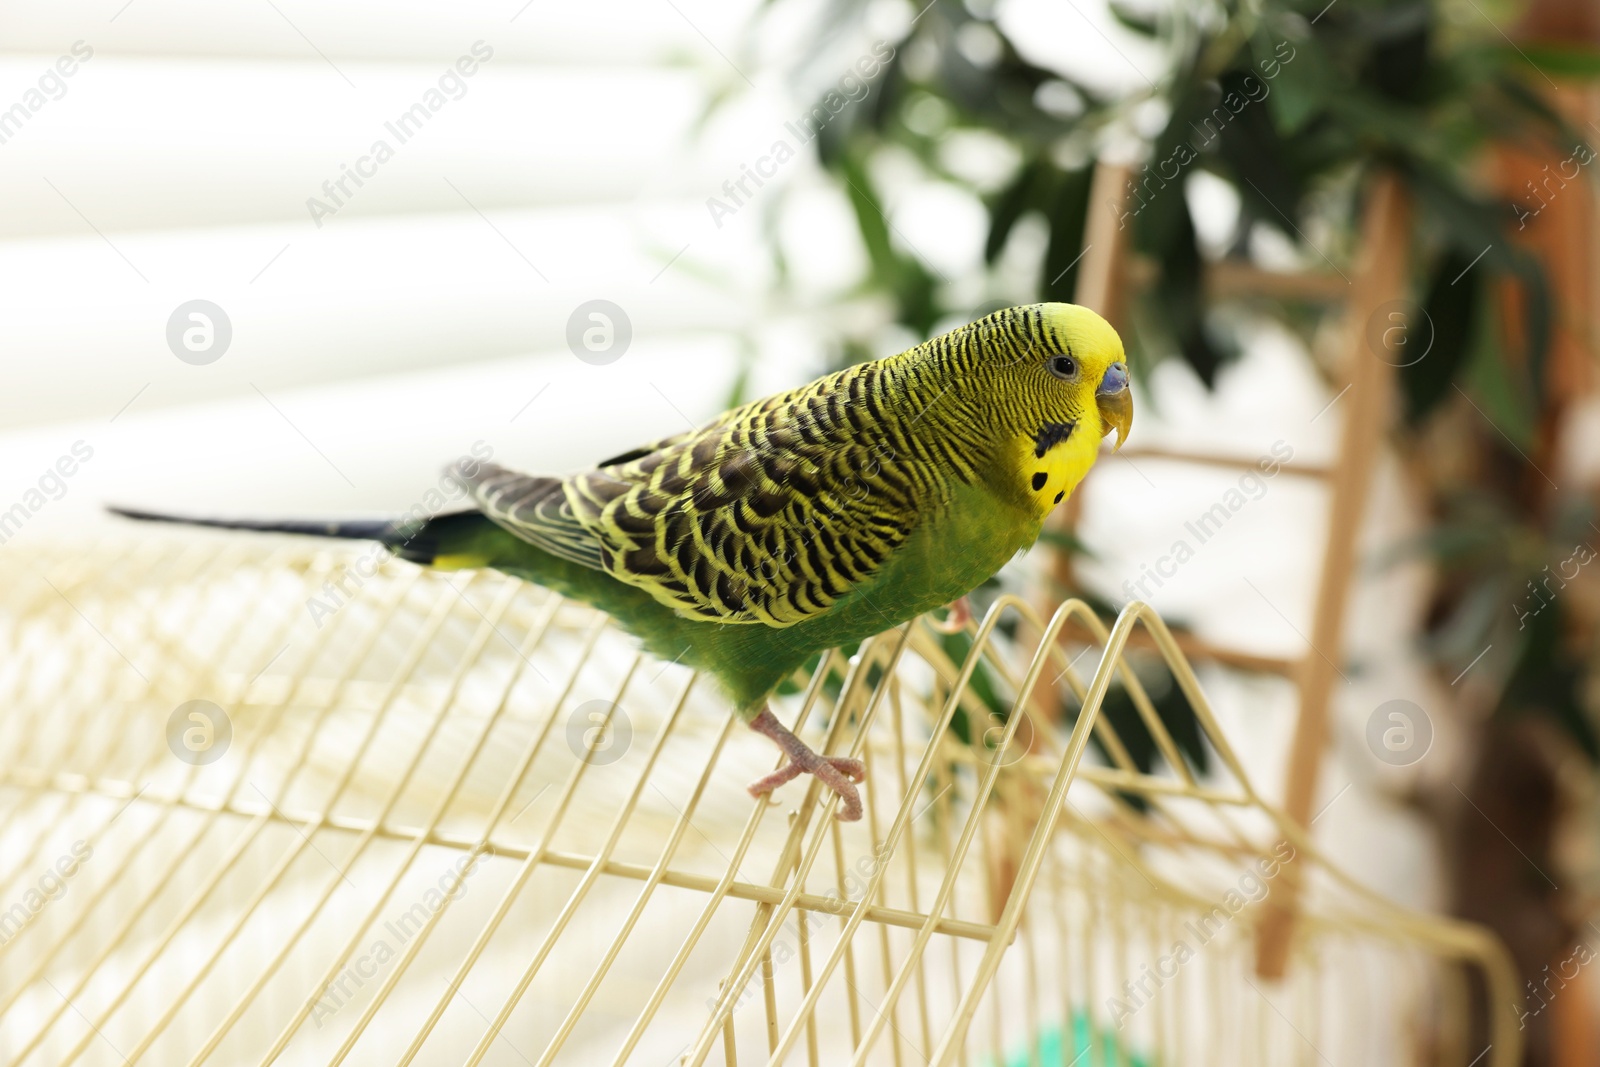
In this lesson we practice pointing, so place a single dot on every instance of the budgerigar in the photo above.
(809, 520)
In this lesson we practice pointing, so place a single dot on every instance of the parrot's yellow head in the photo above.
(1045, 382)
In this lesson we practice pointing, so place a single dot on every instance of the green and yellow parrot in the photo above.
(810, 520)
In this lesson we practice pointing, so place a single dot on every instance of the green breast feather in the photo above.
(944, 559)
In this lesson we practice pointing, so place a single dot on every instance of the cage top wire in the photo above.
(265, 802)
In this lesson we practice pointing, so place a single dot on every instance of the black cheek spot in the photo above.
(1060, 495)
(1038, 481)
(1050, 435)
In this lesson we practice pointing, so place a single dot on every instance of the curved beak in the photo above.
(1115, 401)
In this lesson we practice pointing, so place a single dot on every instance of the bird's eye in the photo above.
(1064, 367)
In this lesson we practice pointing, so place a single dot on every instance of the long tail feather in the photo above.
(354, 530)
(419, 542)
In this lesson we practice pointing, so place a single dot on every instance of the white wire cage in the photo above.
(269, 802)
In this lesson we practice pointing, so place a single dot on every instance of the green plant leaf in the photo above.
(1451, 305)
(1068, 217)
(1557, 59)
(1011, 203)
(1138, 21)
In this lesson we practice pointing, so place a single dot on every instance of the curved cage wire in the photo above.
(265, 802)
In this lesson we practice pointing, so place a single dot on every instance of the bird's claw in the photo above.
(838, 773)
(782, 776)
(851, 767)
(960, 613)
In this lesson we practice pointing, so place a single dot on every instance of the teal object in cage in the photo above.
(1052, 1050)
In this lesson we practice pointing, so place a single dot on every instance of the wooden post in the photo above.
(1380, 277)
(1102, 283)
(1555, 188)
(1102, 286)
(1560, 227)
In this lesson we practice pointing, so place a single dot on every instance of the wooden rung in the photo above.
(1217, 459)
(1231, 280)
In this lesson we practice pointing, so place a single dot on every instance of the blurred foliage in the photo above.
(1172, 709)
(1118, 709)
(1292, 104)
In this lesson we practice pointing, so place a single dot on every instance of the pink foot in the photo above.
(838, 773)
(956, 621)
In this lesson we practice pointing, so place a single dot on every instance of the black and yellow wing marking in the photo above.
(666, 442)
(770, 515)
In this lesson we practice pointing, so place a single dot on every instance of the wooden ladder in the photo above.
(1365, 403)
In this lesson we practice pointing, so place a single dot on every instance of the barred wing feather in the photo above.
(770, 515)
